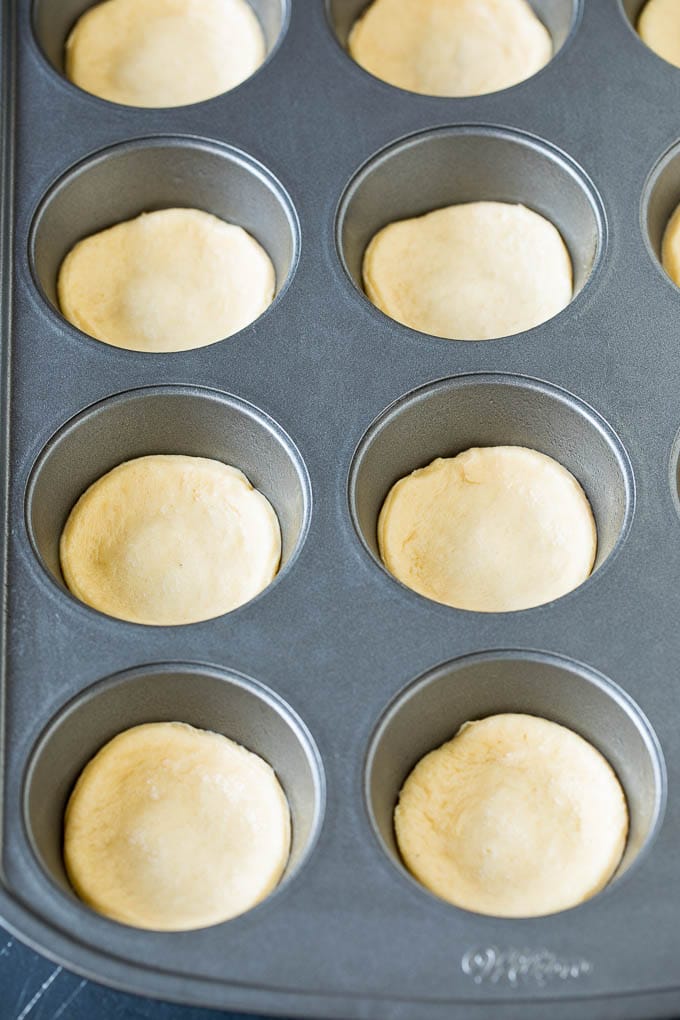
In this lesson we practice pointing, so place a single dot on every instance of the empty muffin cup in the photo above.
(200, 696)
(185, 421)
(454, 167)
(432, 709)
(445, 418)
(229, 201)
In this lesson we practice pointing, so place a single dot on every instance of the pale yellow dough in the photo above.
(494, 529)
(515, 816)
(476, 271)
(165, 281)
(670, 248)
(164, 52)
(171, 828)
(169, 540)
(450, 47)
(659, 27)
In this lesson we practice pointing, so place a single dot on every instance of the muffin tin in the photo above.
(337, 674)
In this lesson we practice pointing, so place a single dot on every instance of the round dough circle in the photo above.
(158, 53)
(450, 47)
(659, 27)
(171, 280)
(477, 271)
(515, 816)
(168, 540)
(172, 828)
(670, 247)
(495, 529)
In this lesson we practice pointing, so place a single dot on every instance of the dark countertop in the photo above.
(32, 988)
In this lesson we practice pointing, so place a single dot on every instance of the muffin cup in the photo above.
(451, 165)
(120, 183)
(445, 418)
(165, 420)
(432, 709)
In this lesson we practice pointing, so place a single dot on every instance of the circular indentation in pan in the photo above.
(446, 417)
(452, 165)
(660, 199)
(632, 9)
(431, 710)
(52, 24)
(202, 696)
(125, 180)
(560, 17)
(169, 419)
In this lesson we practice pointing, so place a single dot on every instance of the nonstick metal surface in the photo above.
(337, 674)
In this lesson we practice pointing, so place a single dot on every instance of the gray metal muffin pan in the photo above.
(338, 675)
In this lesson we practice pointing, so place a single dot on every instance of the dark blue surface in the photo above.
(32, 988)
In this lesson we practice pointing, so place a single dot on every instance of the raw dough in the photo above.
(670, 248)
(170, 280)
(515, 816)
(476, 271)
(494, 529)
(171, 828)
(170, 539)
(450, 47)
(659, 27)
(164, 52)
